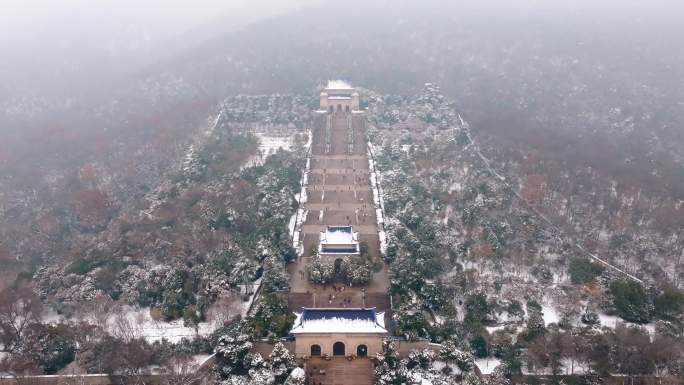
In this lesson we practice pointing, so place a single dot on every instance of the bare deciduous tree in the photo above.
(19, 308)
(182, 370)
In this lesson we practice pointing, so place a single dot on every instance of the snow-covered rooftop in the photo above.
(338, 235)
(338, 85)
(339, 320)
(339, 240)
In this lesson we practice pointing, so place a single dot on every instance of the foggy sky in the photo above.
(49, 44)
(166, 18)
(163, 18)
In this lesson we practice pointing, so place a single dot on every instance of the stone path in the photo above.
(339, 193)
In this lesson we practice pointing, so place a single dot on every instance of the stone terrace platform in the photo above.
(339, 371)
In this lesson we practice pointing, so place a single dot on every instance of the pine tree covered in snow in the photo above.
(420, 359)
(450, 353)
(498, 377)
(272, 318)
(193, 168)
(590, 318)
(233, 356)
(267, 109)
(389, 369)
(535, 320)
(297, 377)
(471, 379)
(261, 376)
(320, 270)
(430, 107)
(420, 367)
(276, 200)
(52, 347)
(281, 362)
(275, 274)
(357, 271)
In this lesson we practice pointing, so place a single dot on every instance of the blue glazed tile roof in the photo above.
(344, 229)
(310, 314)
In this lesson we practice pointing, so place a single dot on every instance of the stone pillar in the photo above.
(355, 101)
(324, 101)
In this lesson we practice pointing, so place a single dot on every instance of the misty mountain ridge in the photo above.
(573, 75)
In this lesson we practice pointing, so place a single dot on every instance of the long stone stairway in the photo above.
(339, 193)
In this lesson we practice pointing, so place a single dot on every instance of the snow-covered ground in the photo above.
(550, 314)
(377, 200)
(297, 219)
(492, 329)
(612, 321)
(269, 144)
(568, 367)
(487, 365)
(199, 359)
(132, 322)
(138, 323)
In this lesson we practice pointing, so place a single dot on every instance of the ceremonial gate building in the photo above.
(336, 332)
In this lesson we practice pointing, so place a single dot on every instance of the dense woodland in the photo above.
(480, 247)
(214, 225)
(473, 257)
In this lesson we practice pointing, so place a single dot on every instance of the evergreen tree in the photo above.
(357, 271)
(630, 301)
(497, 377)
(535, 321)
(272, 317)
(450, 353)
(232, 351)
(281, 362)
(590, 318)
(297, 377)
(389, 369)
(320, 271)
(479, 346)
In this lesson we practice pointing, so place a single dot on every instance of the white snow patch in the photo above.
(612, 321)
(298, 374)
(550, 315)
(377, 200)
(338, 236)
(487, 365)
(492, 329)
(291, 223)
(383, 241)
(199, 359)
(338, 325)
(456, 186)
(569, 366)
(338, 85)
(137, 323)
(300, 215)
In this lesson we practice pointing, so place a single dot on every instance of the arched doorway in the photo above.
(346, 109)
(338, 349)
(315, 350)
(339, 108)
(361, 350)
(332, 109)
